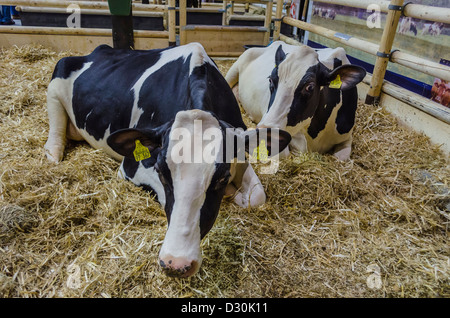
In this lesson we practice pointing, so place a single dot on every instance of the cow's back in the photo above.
(113, 89)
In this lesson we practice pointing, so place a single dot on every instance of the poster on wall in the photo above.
(426, 39)
(294, 13)
(440, 91)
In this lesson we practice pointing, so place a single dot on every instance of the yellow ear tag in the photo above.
(140, 152)
(261, 153)
(336, 83)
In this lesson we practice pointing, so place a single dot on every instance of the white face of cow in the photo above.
(295, 83)
(191, 180)
(289, 71)
(191, 168)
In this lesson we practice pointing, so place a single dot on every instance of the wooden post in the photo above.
(278, 14)
(383, 54)
(182, 22)
(224, 14)
(305, 10)
(172, 23)
(267, 21)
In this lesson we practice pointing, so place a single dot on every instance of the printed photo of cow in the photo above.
(440, 92)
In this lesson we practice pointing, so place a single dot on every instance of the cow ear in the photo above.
(279, 56)
(266, 141)
(126, 141)
(346, 76)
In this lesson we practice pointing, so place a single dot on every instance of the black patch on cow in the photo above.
(166, 179)
(130, 167)
(329, 98)
(208, 91)
(67, 65)
(102, 95)
(304, 104)
(203, 89)
(345, 119)
(149, 189)
(213, 198)
(161, 104)
(280, 56)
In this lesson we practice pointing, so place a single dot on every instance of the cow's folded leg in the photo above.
(251, 192)
(235, 90)
(57, 116)
(298, 144)
(342, 151)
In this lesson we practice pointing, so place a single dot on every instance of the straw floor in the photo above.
(374, 226)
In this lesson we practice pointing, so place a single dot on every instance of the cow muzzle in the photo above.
(178, 266)
(180, 254)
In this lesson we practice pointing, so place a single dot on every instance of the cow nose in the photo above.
(178, 266)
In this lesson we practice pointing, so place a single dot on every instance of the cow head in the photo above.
(295, 84)
(193, 158)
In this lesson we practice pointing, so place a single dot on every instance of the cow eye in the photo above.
(222, 182)
(309, 88)
(271, 85)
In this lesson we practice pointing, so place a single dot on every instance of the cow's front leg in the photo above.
(251, 193)
(58, 119)
(298, 145)
(343, 150)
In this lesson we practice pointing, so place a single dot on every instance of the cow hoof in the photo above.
(283, 155)
(255, 198)
(52, 155)
(343, 154)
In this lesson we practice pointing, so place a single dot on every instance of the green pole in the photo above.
(122, 23)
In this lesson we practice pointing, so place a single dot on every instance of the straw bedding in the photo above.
(374, 226)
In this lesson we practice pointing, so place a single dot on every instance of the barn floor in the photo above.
(375, 226)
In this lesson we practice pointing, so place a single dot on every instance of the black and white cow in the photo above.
(168, 114)
(288, 87)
